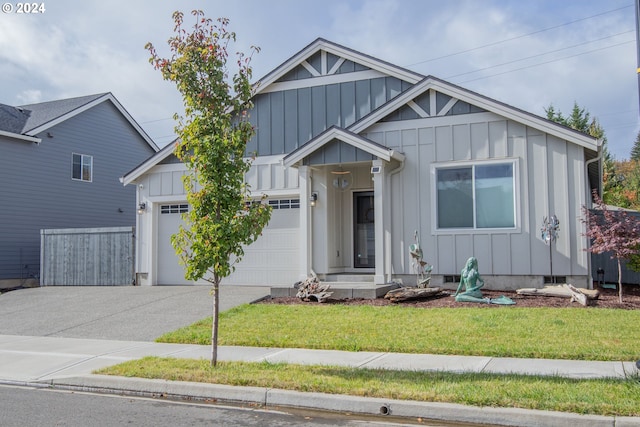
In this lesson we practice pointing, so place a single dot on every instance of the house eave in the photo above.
(20, 137)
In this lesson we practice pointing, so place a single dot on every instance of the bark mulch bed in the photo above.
(608, 299)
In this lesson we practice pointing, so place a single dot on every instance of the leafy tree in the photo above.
(612, 231)
(212, 142)
(581, 120)
(635, 150)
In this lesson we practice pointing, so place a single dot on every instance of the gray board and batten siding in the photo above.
(38, 191)
(287, 119)
(87, 257)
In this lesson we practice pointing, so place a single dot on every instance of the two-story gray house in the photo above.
(59, 168)
(357, 156)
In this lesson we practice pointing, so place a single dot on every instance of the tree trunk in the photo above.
(619, 281)
(214, 324)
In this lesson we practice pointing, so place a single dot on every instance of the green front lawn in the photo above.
(565, 333)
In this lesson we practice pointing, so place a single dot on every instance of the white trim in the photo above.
(341, 52)
(428, 122)
(418, 109)
(351, 139)
(448, 106)
(82, 164)
(336, 66)
(148, 164)
(20, 137)
(85, 107)
(472, 98)
(310, 69)
(323, 80)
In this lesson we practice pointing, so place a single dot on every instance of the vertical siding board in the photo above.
(577, 201)
(461, 142)
(479, 141)
(347, 103)
(319, 110)
(363, 98)
(559, 203)
(290, 120)
(263, 106)
(88, 257)
(443, 144)
(538, 186)
(277, 123)
(333, 105)
(304, 115)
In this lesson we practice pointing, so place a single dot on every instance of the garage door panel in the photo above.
(271, 259)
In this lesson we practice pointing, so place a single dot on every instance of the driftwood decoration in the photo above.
(579, 295)
(312, 290)
(407, 294)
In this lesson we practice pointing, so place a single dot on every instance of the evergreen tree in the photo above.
(635, 151)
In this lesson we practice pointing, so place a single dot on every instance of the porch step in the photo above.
(347, 278)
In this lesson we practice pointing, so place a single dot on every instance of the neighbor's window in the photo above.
(476, 196)
(82, 167)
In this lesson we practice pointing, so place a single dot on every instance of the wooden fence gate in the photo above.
(87, 256)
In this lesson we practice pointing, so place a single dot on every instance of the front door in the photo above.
(364, 230)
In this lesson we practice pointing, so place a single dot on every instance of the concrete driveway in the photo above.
(129, 313)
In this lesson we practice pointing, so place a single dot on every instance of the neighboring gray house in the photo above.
(59, 168)
(383, 153)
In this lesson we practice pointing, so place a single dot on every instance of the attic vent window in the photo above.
(82, 167)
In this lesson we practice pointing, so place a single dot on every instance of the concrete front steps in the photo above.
(343, 286)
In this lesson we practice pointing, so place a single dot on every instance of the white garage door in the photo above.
(270, 260)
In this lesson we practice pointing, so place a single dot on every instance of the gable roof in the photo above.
(481, 101)
(143, 167)
(344, 135)
(44, 115)
(322, 45)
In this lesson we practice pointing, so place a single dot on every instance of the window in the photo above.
(476, 196)
(285, 204)
(82, 169)
(174, 209)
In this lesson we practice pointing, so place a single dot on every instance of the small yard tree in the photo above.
(212, 142)
(612, 231)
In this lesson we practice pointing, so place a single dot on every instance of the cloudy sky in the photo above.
(529, 54)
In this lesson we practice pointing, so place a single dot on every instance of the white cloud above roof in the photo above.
(586, 55)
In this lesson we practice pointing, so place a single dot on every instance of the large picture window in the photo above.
(82, 168)
(476, 196)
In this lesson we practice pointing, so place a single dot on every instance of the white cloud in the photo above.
(79, 48)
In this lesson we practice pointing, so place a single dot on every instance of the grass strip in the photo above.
(598, 396)
(567, 333)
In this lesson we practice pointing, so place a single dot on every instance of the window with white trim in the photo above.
(82, 167)
(476, 196)
(174, 209)
(285, 203)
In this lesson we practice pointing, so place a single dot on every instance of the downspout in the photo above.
(588, 198)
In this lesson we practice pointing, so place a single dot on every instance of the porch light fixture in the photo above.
(313, 199)
(342, 179)
(141, 208)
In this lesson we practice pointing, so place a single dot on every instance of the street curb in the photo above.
(382, 408)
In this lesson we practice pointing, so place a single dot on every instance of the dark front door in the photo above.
(364, 230)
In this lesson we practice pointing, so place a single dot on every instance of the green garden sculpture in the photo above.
(472, 282)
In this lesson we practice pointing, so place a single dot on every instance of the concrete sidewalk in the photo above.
(67, 363)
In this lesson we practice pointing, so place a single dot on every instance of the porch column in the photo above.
(380, 200)
(305, 221)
